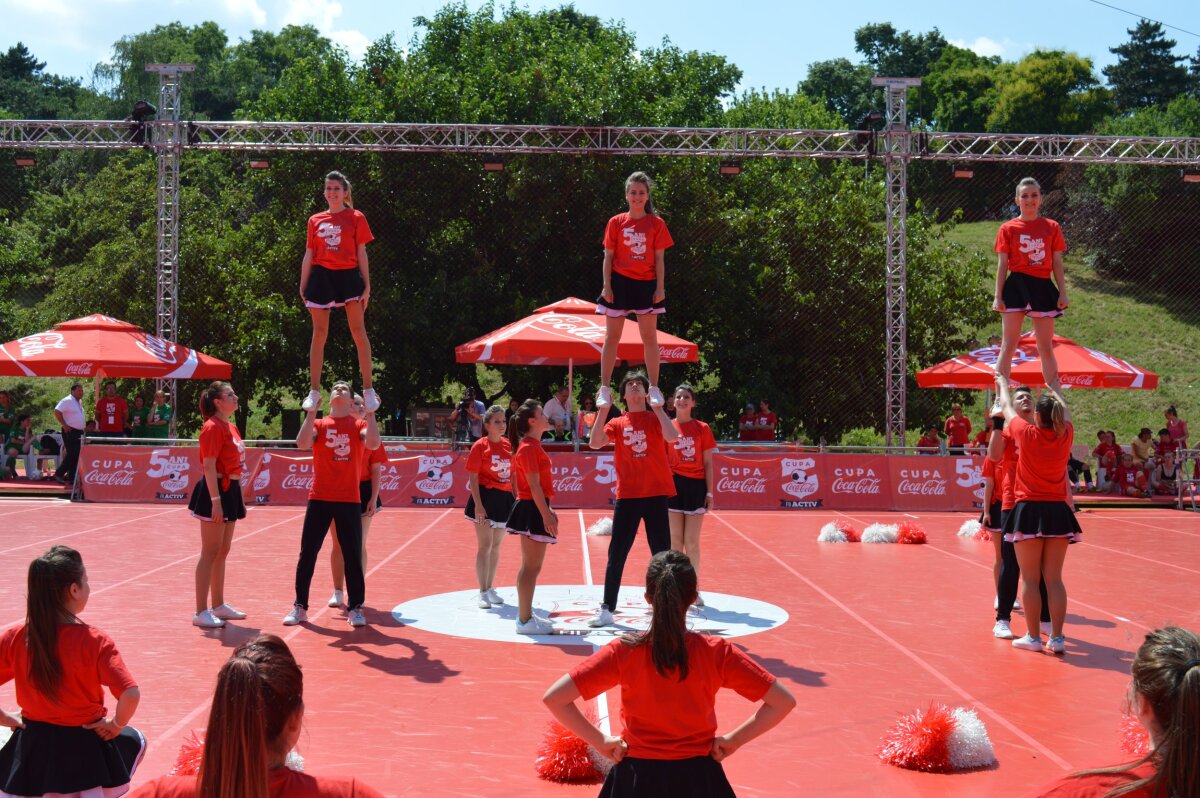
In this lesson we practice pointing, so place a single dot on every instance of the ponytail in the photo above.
(671, 585)
(209, 396)
(50, 578)
(1051, 413)
(518, 425)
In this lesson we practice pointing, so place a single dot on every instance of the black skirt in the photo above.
(232, 504)
(1033, 296)
(47, 758)
(992, 517)
(1041, 520)
(525, 519)
(697, 777)
(332, 288)
(497, 505)
(631, 296)
(689, 495)
(364, 496)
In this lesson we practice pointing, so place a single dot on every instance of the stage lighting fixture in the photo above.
(493, 163)
(1191, 175)
(25, 161)
(963, 172)
(730, 168)
(259, 163)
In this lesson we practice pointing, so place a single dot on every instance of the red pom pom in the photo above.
(187, 761)
(908, 532)
(920, 741)
(848, 530)
(985, 534)
(1134, 737)
(565, 758)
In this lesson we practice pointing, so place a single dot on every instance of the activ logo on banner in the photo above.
(800, 480)
(434, 478)
(172, 472)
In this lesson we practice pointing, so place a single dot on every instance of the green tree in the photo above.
(964, 87)
(1147, 72)
(28, 92)
(1049, 91)
(844, 88)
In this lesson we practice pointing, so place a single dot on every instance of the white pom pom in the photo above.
(881, 533)
(601, 527)
(969, 529)
(294, 761)
(831, 534)
(969, 744)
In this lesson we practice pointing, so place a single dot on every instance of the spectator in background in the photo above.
(8, 416)
(587, 417)
(69, 412)
(1176, 427)
(746, 423)
(138, 415)
(1129, 480)
(1165, 477)
(158, 420)
(765, 422)
(980, 444)
(1076, 469)
(513, 404)
(669, 405)
(931, 442)
(558, 411)
(1142, 449)
(467, 418)
(111, 412)
(958, 430)
(1107, 454)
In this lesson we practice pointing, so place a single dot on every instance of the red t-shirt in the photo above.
(1162, 448)
(1107, 448)
(110, 415)
(635, 242)
(283, 783)
(686, 453)
(1008, 497)
(531, 456)
(1030, 245)
(995, 471)
(1127, 477)
(662, 717)
(334, 238)
(766, 426)
(640, 456)
(929, 444)
(492, 462)
(338, 453)
(1042, 465)
(958, 430)
(373, 456)
(982, 438)
(90, 662)
(747, 434)
(220, 440)
(1095, 785)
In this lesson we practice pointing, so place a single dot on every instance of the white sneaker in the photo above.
(602, 618)
(356, 617)
(1057, 645)
(493, 596)
(1028, 643)
(337, 599)
(656, 397)
(370, 400)
(227, 613)
(297, 615)
(534, 626)
(1002, 631)
(206, 620)
(699, 602)
(312, 401)
(603, 397)
(482, 601)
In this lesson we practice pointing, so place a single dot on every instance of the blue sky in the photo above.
(772, 42)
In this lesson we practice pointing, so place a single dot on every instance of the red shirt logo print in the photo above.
(635, 439)
(339, 443)
(331, 234)
(636, 242)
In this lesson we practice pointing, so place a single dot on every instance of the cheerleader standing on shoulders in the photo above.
(370, 504)
(644, 482)
(61, 667)
(217, 501)
(669, 679)
(531, 516)
(489, 471)
(635, 243)
(335, 273)
(1042, 523)
(1030, 249)
(692, 471)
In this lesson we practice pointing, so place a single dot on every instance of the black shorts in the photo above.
(332, 288)
(993, 517)
(696, 777)
(232, 505)
(631, 296)
(689, 495)
(35, 760)
(1041, 520)
(1033, 296)
(497, 505)
(525, 519)
(364, 496)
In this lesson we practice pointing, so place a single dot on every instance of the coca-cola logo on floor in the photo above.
(741, 479)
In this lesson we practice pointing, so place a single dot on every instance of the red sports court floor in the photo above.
(872, 631)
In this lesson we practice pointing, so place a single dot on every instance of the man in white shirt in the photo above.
(556, 411)
(69, 412)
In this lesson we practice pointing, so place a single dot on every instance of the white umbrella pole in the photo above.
(574, 426)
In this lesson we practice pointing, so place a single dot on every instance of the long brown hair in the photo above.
(209, 397)
(1051, 413)
(259, 689)
(671, 584)
(518, 425)
(50, 578)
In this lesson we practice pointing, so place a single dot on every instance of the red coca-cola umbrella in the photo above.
(1078, 367)
(98, 345)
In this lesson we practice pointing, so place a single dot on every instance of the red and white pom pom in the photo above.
(974, 529)
(565, 758)
(187, 761)
(909, 532)
(939, 740)
(1135, 739)
(601, 527)
(881, 533)
(839, 531)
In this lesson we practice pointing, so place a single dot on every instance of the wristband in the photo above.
(708, 494)
(998, 422)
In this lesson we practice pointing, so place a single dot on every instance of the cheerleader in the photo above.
(217, 502)
(531, 516)
(489, 471)
(63, 741)
(1030, 249)
(692, 471)
(1042, 523)
(635, 243)
(669, 679)
(370, 503)
(334, 274)
(644, 482)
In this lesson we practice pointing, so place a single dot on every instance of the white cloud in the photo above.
(984, 46)
(355, 42)
(239, 9)
(319, 13)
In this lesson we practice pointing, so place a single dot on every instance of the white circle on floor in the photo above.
(568, 607)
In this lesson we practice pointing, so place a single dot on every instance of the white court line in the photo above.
(57, 538)
(906, 651)
(1159, 528)
(189, 717)
(602, 699)
(587, 561)
(1140, 557)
